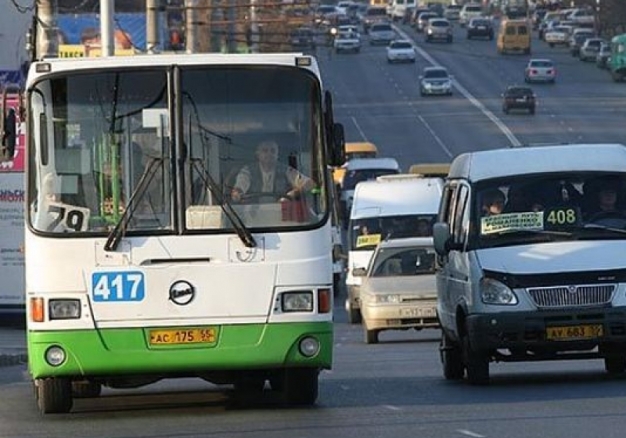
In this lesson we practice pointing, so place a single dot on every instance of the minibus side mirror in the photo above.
(441, 237)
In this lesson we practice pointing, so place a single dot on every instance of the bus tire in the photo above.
(86, 389)
(301, 386)
(371, 336)
(54, 395)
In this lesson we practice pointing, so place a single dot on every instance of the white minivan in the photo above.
(392, 206)
(531, 246)
(363, 169)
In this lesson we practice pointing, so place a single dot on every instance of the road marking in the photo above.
(490, 115)
(435, 136)
(470, 433)
(392, 408)
(358, 128)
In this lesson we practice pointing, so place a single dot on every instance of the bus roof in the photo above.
(151, 60)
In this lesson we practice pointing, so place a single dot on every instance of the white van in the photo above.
(531, 244)
(393, 206)
(399, 7)
(363, 169)
(469, 11)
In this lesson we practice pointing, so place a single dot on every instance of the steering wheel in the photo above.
(261, 197)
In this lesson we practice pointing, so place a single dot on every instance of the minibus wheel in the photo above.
(476, 364)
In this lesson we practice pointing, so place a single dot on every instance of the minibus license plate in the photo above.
(574, 332)
(179, 336)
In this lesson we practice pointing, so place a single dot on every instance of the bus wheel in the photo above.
(54, 395)
(86, 389)
(300, 386)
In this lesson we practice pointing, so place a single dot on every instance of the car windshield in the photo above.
(353, 177)
(403, 45)
(519, 92)
(480, 23)
(381, 28)
(564, 206)
(366, 233)
(439, 23)
(436, 74)
(407, 261)
(544, 64)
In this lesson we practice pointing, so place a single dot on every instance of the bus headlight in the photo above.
(309, 347)
(55, 356)
(64, 309)
(386, 299)
(297, 301)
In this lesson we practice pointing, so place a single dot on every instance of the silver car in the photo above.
(381, 33)
(590, 48)
(438, 29)
(540, 70)
(398, 290)
(435, 80)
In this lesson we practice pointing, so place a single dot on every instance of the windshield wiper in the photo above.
(603, 228)
(531, 231)
(209, 183)
(116, 234)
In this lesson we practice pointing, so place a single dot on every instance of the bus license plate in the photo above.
(181, 336)
(574, 332)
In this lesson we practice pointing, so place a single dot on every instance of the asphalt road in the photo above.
(395, 389)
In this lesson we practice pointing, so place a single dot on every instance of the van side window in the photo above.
(459, 230)
(447, 203)
(522, 30)
(510, 30)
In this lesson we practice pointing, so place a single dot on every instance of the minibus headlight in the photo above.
(495, 292)
(297, 301)
(64, 309)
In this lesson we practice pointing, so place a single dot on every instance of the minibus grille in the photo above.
(572, 295)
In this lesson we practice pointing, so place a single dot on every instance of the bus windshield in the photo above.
(105, 142)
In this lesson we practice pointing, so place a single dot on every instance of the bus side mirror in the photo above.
(338, 148)
(9, 135)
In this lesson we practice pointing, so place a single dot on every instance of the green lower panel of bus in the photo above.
(180, 349)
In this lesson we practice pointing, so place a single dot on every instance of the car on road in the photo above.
(557, 35)
(347, 42)
(438, 29)
(469, 11)
(435, 80)
(381, 33)
(519, 98)
(480, 27)
(422, 20)
(602, 58)
(400, 51)
(578, 38)
(540, 70)
(452, 12)
(590, 48)
(398, 290)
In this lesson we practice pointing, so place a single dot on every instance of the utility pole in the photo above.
(191, 26)
(107, 44)
(152, 26)
(46, 33)
(254, 28)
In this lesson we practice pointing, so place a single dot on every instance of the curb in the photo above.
(7, 360)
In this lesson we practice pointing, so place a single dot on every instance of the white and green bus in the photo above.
(139, 264)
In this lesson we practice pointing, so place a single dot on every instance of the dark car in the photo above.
(480, 27)
(516, 97)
